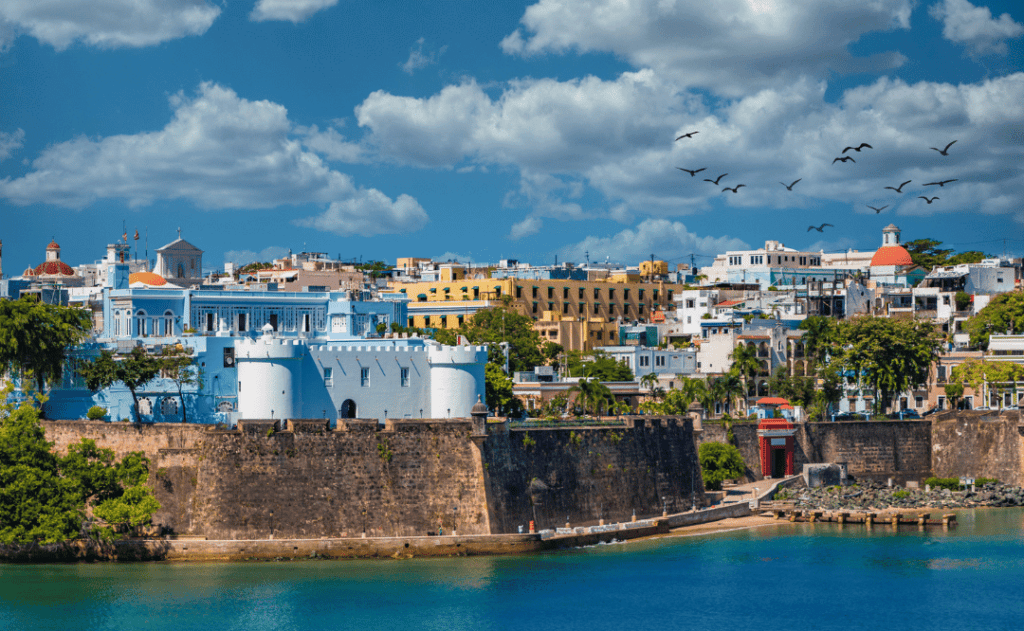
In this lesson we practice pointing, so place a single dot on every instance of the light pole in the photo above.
(364, 523)
(455, 526)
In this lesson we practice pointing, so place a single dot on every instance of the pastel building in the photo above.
(265, 354)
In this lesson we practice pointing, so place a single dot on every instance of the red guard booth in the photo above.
(776, 439)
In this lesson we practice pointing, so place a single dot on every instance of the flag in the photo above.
(136, 234)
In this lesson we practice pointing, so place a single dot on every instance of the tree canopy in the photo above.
(720, 462)
(43, 496)
(36, 337)
(599, 366)
(1003, 313)
(503, 324)
(133, 370)
(500, 397)
(887, 354)
(928, 254)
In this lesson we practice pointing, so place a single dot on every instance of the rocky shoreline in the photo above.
(875, 496)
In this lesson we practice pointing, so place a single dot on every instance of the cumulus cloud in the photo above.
(667, 239)
(244, 257)
(107, 23)
(727, 46)
(616, 137)
(9, 142)
(331, 144)
(288, 10)
(419, 59)
(526, 227)
(964, 23)
(218, 151)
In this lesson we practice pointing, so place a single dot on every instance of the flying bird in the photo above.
(734, 189)
(857, 149)
(942, 183)
(878, 210)
(689, 135)
(844, 159)
(945, 151)
(899, 189)
(717, 179)
(789, 187)
(694, 172)
(820, 228)
(928, 200)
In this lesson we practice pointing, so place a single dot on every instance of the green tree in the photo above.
(889, 355)
(678, 402)
(592, 395)
(502, 324)
(375, 269)
(732, 390)
(819, 337)
(500, 396)
(133, 370)
(36, 337)
(720, 462)
(745, 364)
(988, 377)
(1004, 313)
(954, 392)
(179, 365)
(927, 253)
(599, 366)
(649, 381)
(44, 497)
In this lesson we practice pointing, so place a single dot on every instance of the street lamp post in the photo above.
(364, 523)
(455, 526)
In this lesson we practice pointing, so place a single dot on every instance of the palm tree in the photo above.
(745, 364)
(649, 381)
(592, 395)
(732, 389)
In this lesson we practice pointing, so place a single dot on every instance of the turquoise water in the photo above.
(793, 576)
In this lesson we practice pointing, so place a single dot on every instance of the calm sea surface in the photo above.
(793, 576)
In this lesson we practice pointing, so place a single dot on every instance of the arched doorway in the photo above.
(348, 409)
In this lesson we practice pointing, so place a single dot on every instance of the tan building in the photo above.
(311, 270)
(597, 304)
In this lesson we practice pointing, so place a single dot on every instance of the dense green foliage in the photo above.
(1004, 313)
(374, 268)
(592, 396)
(36, 337)
(928, 254)
(599, 366)
(720, 462)
(96, 413)
(46, 498)
(133, 370)
(178, 364)
(503, 324)
(996, 376)
(500, 397)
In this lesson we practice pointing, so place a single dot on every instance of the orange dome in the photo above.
(148, 278)
(891, 255)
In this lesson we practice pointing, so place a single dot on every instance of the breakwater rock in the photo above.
(875, 496)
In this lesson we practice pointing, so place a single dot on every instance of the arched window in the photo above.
(168, 323)
(225, 407)
(169, 406)
(140, 323)
(145, 406)
(181, 270)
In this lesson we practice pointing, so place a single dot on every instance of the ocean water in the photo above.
(793, 576)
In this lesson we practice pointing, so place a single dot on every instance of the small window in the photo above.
(364, 377)
(241, 323)
(405, 377)
(273, 321)
(328, 377)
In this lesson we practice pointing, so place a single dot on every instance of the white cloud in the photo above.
(331, 144)
(218, 151)
(419, 59)
(369, 214)
(107, 23)
(729, 46)
(666, 239)
(615, 137)
(964, 23)
(288, 10)
(244, 257)
(9, 142)
(526, 227)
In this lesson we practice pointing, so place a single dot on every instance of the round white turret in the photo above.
(456, 379)
(269, 377)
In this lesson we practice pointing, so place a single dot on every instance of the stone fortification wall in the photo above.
(405, 478)
(584, 474)
(979, 444)
(872, 450)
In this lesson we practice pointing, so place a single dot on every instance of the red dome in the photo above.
(148, 278)
(53, 246)
(54, 268)
(891, 255)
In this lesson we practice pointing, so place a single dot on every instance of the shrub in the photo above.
(984, 481)
(528, 441)
(901, 494)
(96, 413)
(953, 484)
(720, 462)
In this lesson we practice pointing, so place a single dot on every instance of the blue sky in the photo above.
(524, 130)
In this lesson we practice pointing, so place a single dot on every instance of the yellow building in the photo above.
(596, 303)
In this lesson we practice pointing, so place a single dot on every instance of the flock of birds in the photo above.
(841, 158)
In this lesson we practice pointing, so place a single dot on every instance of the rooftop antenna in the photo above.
(587, 254)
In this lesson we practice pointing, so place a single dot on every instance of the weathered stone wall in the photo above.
(979, 444)
(582, 475)
(406, 478)
(872, 450)
(745, 439)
